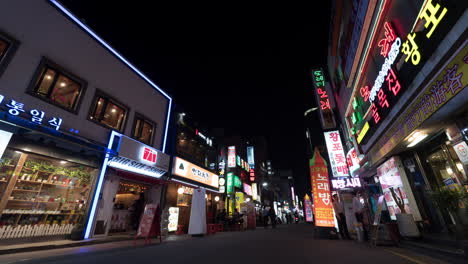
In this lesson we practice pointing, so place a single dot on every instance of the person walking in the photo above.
(358, 209)
(265, 217)
(340, 216)
(272, 215)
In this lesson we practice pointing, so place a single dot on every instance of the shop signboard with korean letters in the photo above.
(231, 157)
(323, 208)
(336, 154)
(187, 170)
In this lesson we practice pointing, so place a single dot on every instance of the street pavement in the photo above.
(287, 244)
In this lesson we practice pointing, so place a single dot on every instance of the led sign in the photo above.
(231, 157)
(251, 157)
(247, 189)
(16, 108)
(209, 142)
(343, 183)
(336, 154)
(323, 100)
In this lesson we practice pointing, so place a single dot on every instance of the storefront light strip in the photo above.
(108, 47)
(194, 185)
(92, 213)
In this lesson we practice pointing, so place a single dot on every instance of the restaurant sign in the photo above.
(450, 81)
(323, 208)
(336, 153)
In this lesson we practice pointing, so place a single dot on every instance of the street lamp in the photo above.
(310, 110)
(265, 184)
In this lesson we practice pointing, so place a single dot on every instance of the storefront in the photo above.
(130, 180)
(186, 177)
(409, 115)
(47, 177)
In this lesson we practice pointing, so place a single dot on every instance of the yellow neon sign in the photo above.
(364, 130)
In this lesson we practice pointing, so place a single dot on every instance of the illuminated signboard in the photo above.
(308, 209)
(4, 140)
(232, 181)
(15, 108)
(195, 173)
(323, 99)
(208, 140)
(237, 182)
(222, 185)
(254, 191)
(252, 175)
(137, 157)
(323, 208)
(292, 195)
(336, 153)
(251, 157)
(408, 38)
(173, 219)
(353, 160)
(347, 182)
(231, 157)
(238, 160)
(247, 189)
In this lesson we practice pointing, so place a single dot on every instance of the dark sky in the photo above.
(236, 66)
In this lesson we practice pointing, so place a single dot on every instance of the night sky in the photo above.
(235, 66)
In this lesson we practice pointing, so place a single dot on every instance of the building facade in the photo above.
(398, 69)
(83, 130)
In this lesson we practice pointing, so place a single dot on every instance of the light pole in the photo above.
(307, 129)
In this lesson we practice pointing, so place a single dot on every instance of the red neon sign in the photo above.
(365, 93)
(149, 155)
(389, 37)
(323, 97)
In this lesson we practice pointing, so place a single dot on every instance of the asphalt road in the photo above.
(284, 245)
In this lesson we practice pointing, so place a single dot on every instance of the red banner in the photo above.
(323, 208)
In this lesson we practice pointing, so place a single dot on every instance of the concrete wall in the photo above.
(43, 31)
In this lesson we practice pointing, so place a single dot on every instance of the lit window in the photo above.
(7, 49)
(3, 48)
(143, 130)
(108, 112)
(58, 87)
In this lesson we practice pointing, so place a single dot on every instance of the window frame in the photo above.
(47, 63)
(147, 120)
(11, 50)
(100, 94)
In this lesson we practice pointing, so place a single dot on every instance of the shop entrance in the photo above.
(129, 204)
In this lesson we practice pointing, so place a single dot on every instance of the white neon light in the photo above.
(98, 187)
(136, 170)
(394, 51)
(87, 29)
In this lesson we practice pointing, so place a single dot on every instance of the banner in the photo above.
(308, 209)
(147, 220)
(336, 154)
(323, 208)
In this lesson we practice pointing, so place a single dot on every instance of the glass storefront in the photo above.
(44, 189)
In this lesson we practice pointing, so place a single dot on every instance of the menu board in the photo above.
(147, 220)
(173, 218)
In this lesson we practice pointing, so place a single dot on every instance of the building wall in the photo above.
(43, 31)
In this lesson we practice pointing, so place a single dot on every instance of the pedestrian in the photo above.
(358, 209)
(272, 215)
(265, 217)
(340, 216)
(288, 218)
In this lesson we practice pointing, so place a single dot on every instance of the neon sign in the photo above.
(346, 183)
(336, 153)
(16, 108)
(231, 157)
(410, 47)
(323, 100)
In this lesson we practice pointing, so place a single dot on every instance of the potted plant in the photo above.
(406, 223)
(455, 202)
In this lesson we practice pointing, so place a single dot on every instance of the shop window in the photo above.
(7, 48)
(143, 130)
(43, 193)
(108, 112)
(56, 86)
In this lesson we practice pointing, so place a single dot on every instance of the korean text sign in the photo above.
(336, 154)
(323, 208)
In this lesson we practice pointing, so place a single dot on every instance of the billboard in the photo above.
(323, 208)
(324, 100)
(336, 154)
(308, 209)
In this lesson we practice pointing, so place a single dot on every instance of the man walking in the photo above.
(265, 217)
(340, 216)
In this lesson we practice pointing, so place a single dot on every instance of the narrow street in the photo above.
(286, 244)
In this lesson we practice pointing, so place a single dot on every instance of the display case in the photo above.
(36, 190)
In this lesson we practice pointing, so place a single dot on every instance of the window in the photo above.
(7, 48)
(58, 87)
(108, 112)
(143, 129)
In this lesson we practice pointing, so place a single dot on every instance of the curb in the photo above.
(435, 251)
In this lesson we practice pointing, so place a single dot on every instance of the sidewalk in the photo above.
(57, 244)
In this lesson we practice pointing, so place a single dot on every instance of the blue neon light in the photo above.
(87, 29)
(92, 213)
